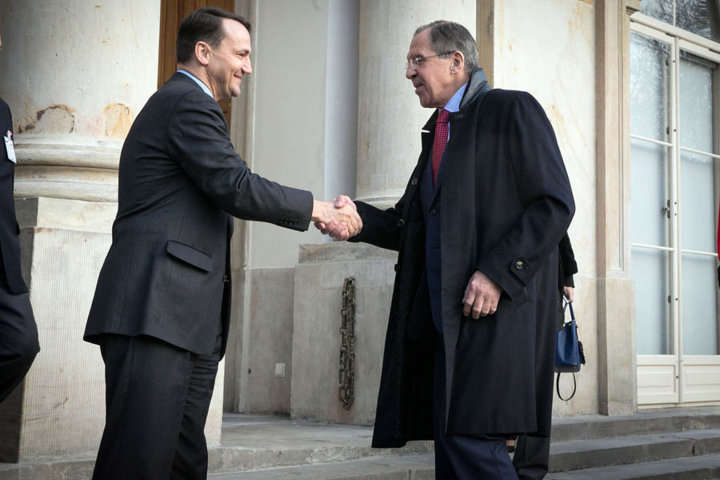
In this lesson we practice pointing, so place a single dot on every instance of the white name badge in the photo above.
(9, 147)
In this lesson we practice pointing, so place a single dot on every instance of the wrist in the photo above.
(319, 211)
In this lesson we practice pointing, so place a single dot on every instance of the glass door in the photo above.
(674, 89)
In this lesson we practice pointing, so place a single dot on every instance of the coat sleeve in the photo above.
(544, 191)
(199, 141)
(382, 228)
(568, 265)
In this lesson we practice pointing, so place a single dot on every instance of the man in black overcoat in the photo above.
(161, 307)
(18, 332)
(470, 341)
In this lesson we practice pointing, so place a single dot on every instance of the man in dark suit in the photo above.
(18, 332)
(161, 308)
(470, 342)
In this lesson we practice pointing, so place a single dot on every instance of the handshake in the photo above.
(338, 218)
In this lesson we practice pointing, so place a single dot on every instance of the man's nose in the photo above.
(410, 72)
(248, 67)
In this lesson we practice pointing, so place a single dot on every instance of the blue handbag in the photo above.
(569, 355)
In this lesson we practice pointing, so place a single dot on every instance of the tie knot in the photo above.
(443, 116)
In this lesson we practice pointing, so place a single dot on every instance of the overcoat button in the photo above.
(413, 182)
(401, 222)
(519, 265)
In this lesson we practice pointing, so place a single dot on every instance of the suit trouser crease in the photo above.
(153, 411)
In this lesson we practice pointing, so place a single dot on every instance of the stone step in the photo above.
(406, 467)
(249, 442)
(255, 442)
(705, 467)
(584, 427)
(583, 454)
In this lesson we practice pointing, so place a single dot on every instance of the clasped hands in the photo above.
(338, 218)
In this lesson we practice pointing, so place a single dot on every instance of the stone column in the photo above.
(617, 367)
(389, 123)
(75, 74)
(389, 114)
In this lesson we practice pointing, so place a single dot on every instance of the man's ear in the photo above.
(457, 62)
(202, 53)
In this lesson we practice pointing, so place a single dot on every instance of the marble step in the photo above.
(705, 467)
(583, 454)
(405, 467)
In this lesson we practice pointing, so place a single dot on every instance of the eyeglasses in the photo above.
(418, 60)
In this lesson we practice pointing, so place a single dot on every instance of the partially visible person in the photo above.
(161, 309)
(18, 332)
(532, 452)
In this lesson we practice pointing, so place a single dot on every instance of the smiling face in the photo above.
(436, 79)
(229, 61)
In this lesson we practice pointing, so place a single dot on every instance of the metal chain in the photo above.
(347, 345)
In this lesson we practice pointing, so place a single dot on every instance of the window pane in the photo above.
(699, 305)
(649, 193)
(700, 17)
(649, 74)
(697, 204)
(660, 9)
(696, 101)
(650, 280)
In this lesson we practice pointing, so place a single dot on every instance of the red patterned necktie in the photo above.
(441, 138)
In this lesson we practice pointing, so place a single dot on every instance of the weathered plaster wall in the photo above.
(548, 49)
(73, 95)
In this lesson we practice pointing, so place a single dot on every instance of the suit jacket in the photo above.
(11, 275)
(504, 203)
(167, 272)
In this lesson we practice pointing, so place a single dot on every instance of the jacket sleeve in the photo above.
(544, 191)
(568, 265)
(199, 141)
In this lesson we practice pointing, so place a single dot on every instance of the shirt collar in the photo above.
(204, 87)
(454, 104)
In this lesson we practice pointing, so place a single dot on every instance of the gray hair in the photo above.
(446, 36)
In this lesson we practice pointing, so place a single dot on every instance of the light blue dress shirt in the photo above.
(204, 87)
(453, 104)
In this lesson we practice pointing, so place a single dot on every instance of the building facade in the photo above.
(631, 87)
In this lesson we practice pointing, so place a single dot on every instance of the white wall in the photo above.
(305, 110)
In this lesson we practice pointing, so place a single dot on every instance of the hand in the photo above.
(338, 219)
(569, 293)
(481, 296)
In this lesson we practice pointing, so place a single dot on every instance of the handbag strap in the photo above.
(567, 304)
(557, 388)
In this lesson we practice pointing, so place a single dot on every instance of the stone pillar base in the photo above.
(316, 329)
(60, 408)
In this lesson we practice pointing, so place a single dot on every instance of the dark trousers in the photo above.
(532, 455)
(157, 399)
(18, 340)
(459, 457)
